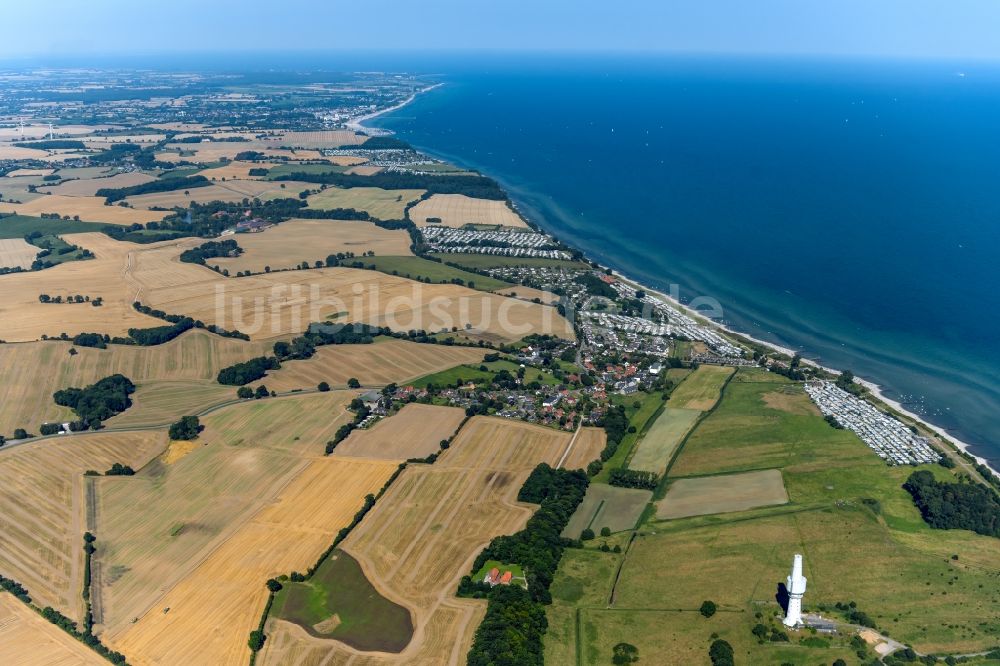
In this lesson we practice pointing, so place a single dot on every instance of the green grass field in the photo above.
(365, 619)
(418, 268)
(641, 418)
(379, 203)
(662, 439)
(700, 389)
(617, 509)
(17, 226)
(744, 434)
(937, 590)
(480, 261)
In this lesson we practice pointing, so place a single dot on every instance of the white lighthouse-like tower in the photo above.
(796, 586)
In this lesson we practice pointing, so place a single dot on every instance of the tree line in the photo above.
(633, 478)
(112, 194)
(512, 631)
(211, 250)
(476, 186)
(53, 144)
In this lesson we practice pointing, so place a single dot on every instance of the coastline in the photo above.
(355, 124)
(874, 388)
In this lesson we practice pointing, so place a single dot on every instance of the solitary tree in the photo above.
(187, 428)
(708, 608)
(624, 653)
(721, 653)
(256, 641)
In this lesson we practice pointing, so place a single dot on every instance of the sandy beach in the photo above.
(356, 124)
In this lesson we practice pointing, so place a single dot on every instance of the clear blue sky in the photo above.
(894, 28)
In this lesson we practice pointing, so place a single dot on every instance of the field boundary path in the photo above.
(569, 447)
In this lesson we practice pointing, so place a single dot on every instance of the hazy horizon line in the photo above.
(284, 55)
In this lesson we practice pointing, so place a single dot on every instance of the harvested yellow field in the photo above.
(346, 160)
(29, 172)
(215, 152)
(178, 449)
(415, 432)
(378, 364)
(237, 170)
(43, 508)
(379, 203)
(23, 318)
(87, 187)
(263, 306)
(160, 403)
(231, 190)
(213, 610)
(423, 534)
(56, 156)
(272, 305)
(157, 528)
(90, 209)
(102, 142)
(179, 127)
(17, 252)
(363, 170)
(27, 639)
(457, 210)
(9, 152)
(701, 389)
(585, 447)
(529, 294)
(324, 139)
(216, 134)
(288, 244)
(191, 361)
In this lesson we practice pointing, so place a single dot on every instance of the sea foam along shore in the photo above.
(356, 125)
(874, 388)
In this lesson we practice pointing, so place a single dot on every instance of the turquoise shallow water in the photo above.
(849, 210)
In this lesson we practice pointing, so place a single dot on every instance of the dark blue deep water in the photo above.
(849, 210)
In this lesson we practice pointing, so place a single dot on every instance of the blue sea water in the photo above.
(846, 209)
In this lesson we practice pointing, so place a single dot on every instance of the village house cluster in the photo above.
(683, 325)
(556, 280)
(389, 159)
(499, 243)
(890, 439)
(606, 332)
